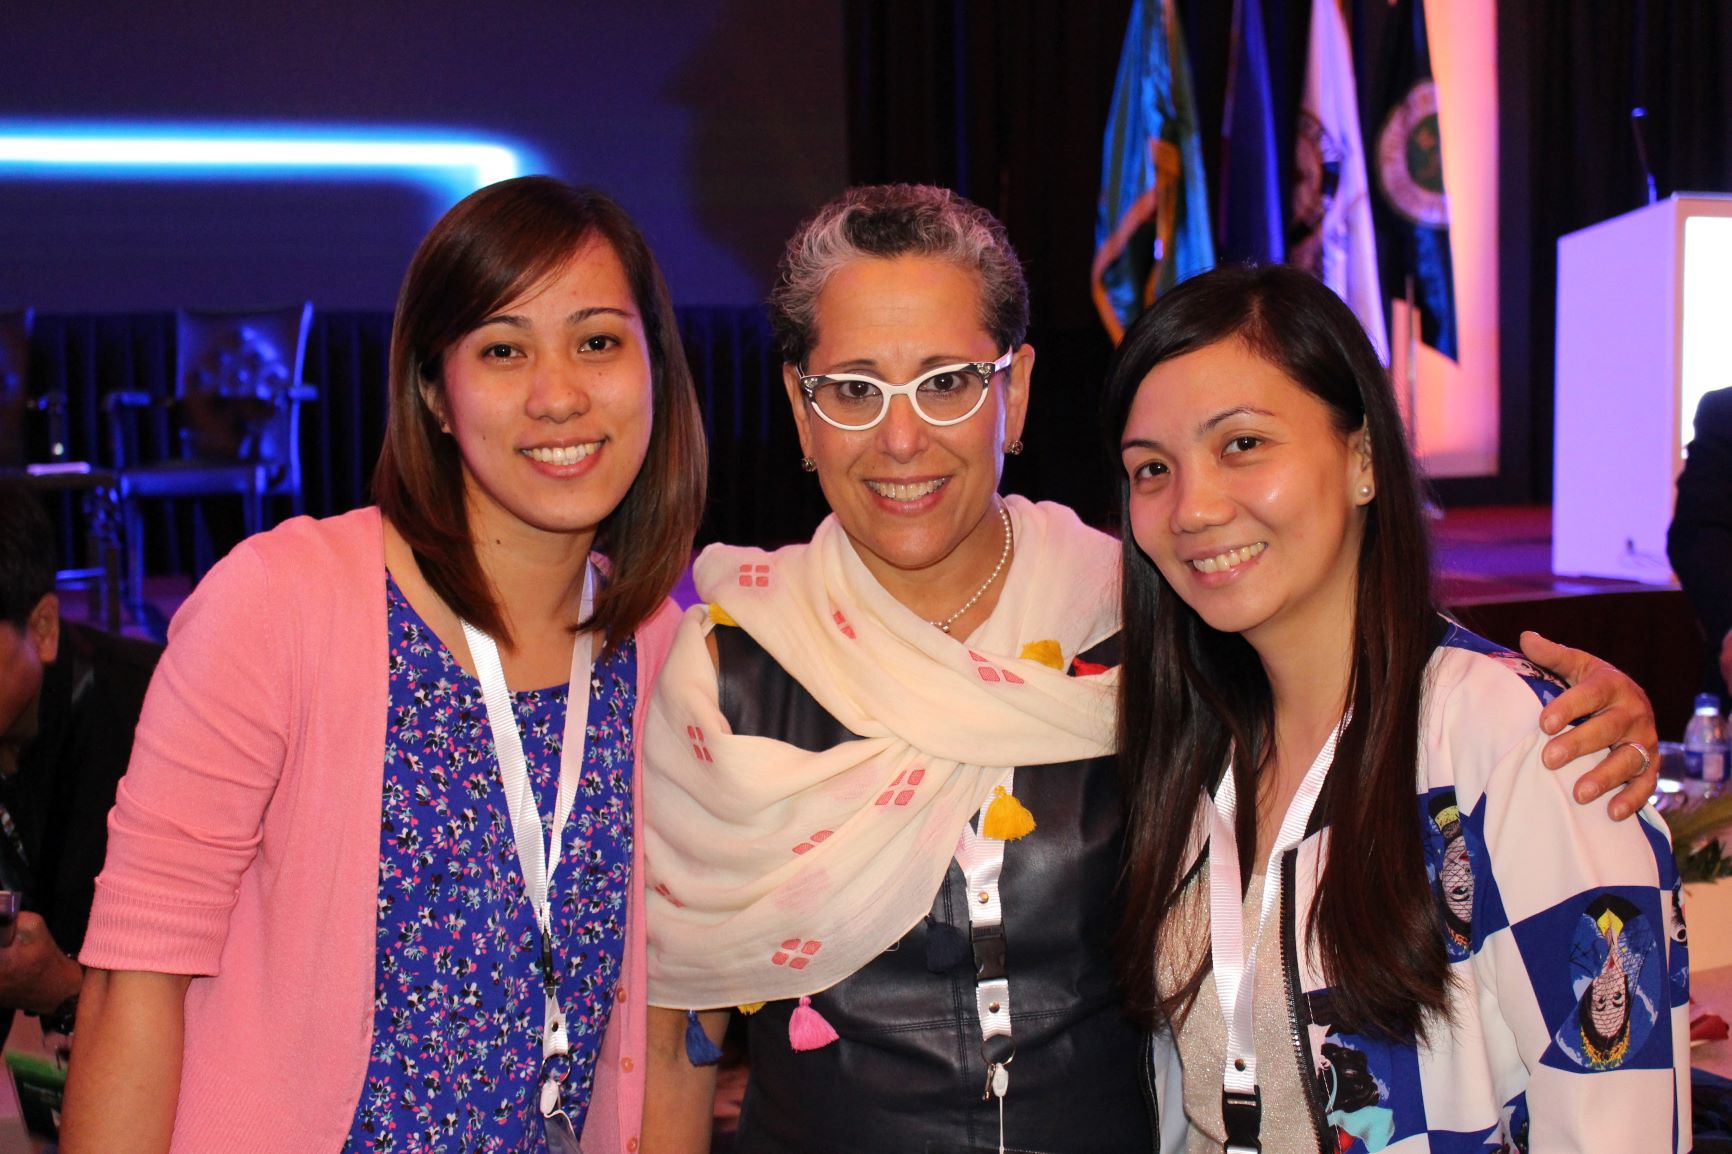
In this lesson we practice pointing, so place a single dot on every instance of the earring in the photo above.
(808, 464)
(1014, 449)
(1365, 491)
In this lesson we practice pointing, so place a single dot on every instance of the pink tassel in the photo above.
(807, 1029)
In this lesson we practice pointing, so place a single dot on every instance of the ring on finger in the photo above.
(1647, 758)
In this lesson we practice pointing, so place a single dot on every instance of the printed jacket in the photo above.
(1565, 938)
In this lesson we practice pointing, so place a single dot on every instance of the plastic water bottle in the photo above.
(1705, 741)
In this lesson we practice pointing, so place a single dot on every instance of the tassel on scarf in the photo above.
(1006, 818)
(749, 1008)
(700, 1051)
(946, 948)
(807, 1029)
(1046, 653)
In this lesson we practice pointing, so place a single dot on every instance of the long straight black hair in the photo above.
(1189, 695)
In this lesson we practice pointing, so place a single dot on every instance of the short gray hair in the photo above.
(892, 220)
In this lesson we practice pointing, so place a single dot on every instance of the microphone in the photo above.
(1637, 115)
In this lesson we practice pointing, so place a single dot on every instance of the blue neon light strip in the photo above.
(217, 154)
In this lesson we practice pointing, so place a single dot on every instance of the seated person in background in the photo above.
(69, 699)
(1699, 542)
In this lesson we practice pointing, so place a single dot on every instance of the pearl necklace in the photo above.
(1004, 515)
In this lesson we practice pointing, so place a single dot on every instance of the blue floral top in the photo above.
(458, 1007)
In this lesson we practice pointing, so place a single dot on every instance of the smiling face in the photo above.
(916, 499)
(549, 401)
(1247, 497)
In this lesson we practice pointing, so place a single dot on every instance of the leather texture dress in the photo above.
(907, 1074)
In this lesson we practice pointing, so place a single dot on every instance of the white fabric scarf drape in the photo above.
(774, 872)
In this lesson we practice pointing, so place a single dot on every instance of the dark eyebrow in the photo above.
(581, 315)
(1229, 414)
(512, 320)
(868, 367)
(1204, 426)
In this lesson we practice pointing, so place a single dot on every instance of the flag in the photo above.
(1332, 236)
(1152, 222)
(1250, 227)
(1410, 207)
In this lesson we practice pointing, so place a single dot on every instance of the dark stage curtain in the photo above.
(757, 491)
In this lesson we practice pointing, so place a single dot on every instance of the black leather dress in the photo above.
(907, 1074)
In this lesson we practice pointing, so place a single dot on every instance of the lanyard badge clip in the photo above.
(1243, 1115)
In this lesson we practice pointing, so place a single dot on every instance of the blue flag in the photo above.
(1410, 208)
(1152, 222)
(1251, 217)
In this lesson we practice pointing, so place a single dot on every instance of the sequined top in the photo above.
(1203, 1040)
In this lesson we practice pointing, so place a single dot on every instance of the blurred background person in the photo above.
(1699, 542)
(70, 697)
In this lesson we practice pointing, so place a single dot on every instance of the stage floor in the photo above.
(1504, 553)
(1494, 572)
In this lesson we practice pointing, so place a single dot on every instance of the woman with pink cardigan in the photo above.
(371, 885)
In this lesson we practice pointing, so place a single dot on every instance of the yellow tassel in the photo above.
(1006, 818)
(719, 616)
(1046, 653)
(749, 1007)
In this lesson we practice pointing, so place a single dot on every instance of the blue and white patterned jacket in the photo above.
(1565, 938)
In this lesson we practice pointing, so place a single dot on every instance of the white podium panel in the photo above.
(1644, 329)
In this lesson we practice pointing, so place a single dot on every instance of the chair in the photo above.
(236, 410)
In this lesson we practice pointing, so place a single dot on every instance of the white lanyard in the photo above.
(1235, 965)
(982, 862)
(538, 866)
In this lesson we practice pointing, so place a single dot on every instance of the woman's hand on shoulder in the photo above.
(1616, 717)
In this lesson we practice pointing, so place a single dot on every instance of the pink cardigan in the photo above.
(244, 846)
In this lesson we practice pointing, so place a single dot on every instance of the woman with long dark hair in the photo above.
(374, 880)
(1362, 910)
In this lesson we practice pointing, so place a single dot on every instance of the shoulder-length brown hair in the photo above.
(491, 248)
(1190, 694)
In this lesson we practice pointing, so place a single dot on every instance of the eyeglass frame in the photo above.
(987, 370)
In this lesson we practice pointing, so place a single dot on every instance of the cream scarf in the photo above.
(773, 872)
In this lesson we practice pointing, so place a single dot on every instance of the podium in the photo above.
(1644, 329)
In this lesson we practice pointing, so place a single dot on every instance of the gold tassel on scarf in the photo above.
(1006, 818)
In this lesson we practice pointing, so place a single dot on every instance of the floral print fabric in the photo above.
(456, 1055)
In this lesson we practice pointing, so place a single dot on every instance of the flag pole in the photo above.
(1411, 368)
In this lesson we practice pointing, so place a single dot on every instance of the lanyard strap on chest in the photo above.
(1235, 958)
(981, 860)
(539, 863)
